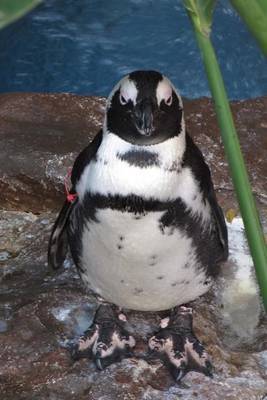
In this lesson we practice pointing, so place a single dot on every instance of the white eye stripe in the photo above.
(164, 92)
(128, 91)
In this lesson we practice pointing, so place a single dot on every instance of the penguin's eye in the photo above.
(123, 101)
(169, 101)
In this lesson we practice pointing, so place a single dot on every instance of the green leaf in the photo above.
(254, 14)
(11, 10)
(200, 12)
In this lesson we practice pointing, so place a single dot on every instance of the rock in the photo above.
(41, 313)
(41, 134)
(250, 119)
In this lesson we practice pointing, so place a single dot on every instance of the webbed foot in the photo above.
(106, 341)
(178, 347)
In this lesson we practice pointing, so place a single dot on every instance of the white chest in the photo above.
(131, 263)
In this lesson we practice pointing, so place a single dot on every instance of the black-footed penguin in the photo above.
(144, 229)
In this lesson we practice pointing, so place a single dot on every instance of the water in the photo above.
(84, 47)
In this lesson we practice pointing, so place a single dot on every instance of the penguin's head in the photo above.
(144, 108)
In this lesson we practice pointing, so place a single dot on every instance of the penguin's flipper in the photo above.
(58, 242)
(218, 216)
(194, 159)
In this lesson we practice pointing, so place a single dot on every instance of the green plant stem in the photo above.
(236, 163)
(254, 14)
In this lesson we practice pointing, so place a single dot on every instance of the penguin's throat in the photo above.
(167, 155)
(120, 168)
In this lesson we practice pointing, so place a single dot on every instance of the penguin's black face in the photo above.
(144, 109)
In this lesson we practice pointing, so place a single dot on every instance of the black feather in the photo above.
(85, 157)
(58, 242)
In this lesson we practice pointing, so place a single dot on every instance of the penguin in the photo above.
(143, 225)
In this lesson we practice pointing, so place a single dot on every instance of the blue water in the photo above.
(84, 47)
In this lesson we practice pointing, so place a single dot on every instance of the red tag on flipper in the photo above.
(70, 196)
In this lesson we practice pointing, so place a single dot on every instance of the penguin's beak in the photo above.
(143, 117)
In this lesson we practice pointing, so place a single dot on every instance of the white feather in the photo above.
(130, 276)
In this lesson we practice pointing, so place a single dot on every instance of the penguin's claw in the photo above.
(106, 342)
(179, 348)
(83, 348)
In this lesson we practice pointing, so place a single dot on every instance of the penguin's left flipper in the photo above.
(178, 347)
(106, 341)
(58, 242)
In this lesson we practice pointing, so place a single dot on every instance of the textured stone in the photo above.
(40, 136)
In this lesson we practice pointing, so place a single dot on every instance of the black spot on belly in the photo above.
(122, 280)
(161, 228)
(160, 277)
(121, 238)
(137, 291)
(119, 246)
(140, 158)
(153, 260)
(182, 282)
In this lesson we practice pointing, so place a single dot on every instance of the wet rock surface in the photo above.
(41, 313)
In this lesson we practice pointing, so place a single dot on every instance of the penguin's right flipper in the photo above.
(58, 242)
